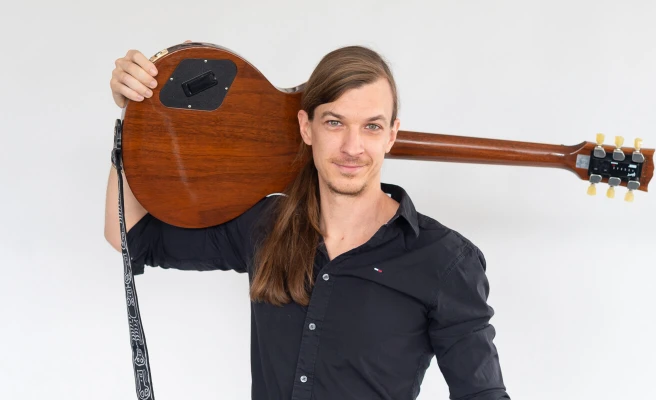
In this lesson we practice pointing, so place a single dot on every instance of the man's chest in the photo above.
(350, 317)
(360, 301)
(366, 317)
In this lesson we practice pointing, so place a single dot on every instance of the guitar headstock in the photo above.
(632, 168)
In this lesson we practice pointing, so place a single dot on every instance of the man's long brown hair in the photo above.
(284, 260)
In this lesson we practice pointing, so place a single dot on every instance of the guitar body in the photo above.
(215, 137)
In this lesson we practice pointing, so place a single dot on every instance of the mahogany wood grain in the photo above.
(197, 168)
(465, 149)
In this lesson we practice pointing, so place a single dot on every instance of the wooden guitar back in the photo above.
(217, 136)
(195, 167)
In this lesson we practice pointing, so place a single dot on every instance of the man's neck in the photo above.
(354, 218)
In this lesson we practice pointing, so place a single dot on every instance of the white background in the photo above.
(572, 276)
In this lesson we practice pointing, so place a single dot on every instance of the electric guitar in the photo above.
(217, 136)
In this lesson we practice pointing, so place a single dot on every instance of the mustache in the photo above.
(351, 163)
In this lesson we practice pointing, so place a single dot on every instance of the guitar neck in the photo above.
(463, 149)
(576, 158)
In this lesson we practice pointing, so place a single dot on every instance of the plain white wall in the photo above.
(571, 276)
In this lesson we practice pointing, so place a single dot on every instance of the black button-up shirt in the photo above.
(377, 314)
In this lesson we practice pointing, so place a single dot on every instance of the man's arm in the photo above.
(228, 246)
(460, 332)
(153, 242)
(133, 210)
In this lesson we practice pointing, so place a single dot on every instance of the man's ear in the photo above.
(393, 133)
(306, 127)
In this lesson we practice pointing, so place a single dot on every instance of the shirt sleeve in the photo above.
(227, 246)
(460, 332)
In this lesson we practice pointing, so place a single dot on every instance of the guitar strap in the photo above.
(143, 380)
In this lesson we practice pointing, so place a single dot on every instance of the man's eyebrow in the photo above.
(374, 118)
(377, 117)
(330, 113)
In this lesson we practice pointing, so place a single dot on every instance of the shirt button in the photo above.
(303, 378)
(312, 326)
(325, 277)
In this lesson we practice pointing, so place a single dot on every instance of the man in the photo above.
(353, 291)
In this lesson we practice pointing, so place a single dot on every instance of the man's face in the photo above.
(350, 136)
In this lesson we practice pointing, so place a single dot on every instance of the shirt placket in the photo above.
(304, 377)
(323, 287)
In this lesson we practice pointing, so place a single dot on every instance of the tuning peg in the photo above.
(619, 141)
(637, 156)
(612, 182)
(618, 154)
(600, 138)
(610, 193)
(637, 143)
(594, 179)
(599, 151)
(631, 185)
(629, 196)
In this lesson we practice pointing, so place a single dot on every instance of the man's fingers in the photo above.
(138, 73)
(132, 78)
(131, 82)
(144, 62)
(125, 79)
(119, 89)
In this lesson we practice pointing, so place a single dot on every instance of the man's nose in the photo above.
(353, 143)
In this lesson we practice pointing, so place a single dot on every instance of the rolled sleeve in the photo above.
(460, 332)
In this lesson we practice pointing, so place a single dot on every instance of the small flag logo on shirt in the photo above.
(378, 270)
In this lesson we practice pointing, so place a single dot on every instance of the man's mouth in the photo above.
(348, 167)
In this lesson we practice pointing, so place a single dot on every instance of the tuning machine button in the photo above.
(629, 196)
(618, 154)
(631, 185)
(637, 156)
(594, 179)
(612, 182)
(599, 151)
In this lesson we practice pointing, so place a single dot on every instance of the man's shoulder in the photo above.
(264, 206)
(435, 229)
(444, 243)
(259, 214)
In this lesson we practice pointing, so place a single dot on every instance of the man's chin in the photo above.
(344, 187)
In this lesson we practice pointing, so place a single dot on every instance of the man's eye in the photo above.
(373, 127)
(336, 123)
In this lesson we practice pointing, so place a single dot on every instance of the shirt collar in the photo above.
(406, 208)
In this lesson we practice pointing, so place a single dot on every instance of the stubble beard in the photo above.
(354, 192)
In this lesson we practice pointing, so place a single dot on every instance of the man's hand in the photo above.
(133, 78)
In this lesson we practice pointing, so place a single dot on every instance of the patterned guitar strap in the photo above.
(143, 380)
